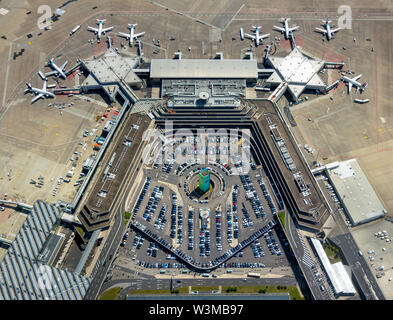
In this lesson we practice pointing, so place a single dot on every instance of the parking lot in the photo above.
(205, 228)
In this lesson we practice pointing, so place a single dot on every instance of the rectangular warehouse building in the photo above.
(358, 197)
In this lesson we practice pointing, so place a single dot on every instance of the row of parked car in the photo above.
(191, 229)
(234, 212)
(169, 265)
(267, 196)
(158, 161)
(152, 250)
(252, 196)
(218, 230)
(257, 249)
(173, 216)
(142, 195)
(243, 265)
(168, 165)
(151, 206)
(272, 244)
(179, 224)
(229, 226)
(204, 243)
(247, 221)
(138, 241)
(161, 220)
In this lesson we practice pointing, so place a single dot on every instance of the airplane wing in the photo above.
(320, 30)
(92, 29)
(107, 29)
(335, 30)
(246, 35)
(349, 86)
(44, 86)
(125, 35)
(50, 73)
(139, 34)
(293, 29)
(263, 36)
(63, 66)
(357, 77)
(279, 28)
(37, 97)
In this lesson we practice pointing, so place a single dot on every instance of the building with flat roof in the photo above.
(203, 69)
(358, 197)
(23, 276)
(338, 276)
(295, 73)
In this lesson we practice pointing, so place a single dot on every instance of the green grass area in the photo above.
(205, 288)
(80, 231)
(281, 216)
(127, 215)
(111, 294)
(293, 291)
(178, 290)
(332, 252)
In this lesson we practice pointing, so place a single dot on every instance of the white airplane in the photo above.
(132, 35)
(329, 32)
(286, 29)
(256, 36)
(100, 30)
(57, 71)
(353, 82)
(40, 93)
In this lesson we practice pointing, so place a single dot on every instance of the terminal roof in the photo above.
(203, 68)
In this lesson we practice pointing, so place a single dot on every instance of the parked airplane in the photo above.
(353, 82)
(329, 32)
(40, 93)
(100, 30)
(132, 35)
(286, 30)
(57, 71)
(256, 37)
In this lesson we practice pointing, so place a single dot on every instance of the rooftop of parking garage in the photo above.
(310, 204)
(110, 178)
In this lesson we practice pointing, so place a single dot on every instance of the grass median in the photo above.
(281, 216)
(111, 294)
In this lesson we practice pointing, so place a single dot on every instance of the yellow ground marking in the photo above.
(29, 42)
(57, 133)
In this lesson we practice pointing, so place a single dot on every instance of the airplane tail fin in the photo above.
(28, 87)
(132, 25)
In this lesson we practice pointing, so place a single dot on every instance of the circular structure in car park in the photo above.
(194, 182)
